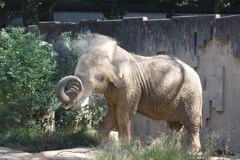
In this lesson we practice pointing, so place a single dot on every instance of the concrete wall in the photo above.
(209, 44)
(220, 74)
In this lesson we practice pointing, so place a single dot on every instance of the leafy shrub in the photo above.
(68, 56)
(31, 140)
(27, 65)
(90, 115)
(29, 70)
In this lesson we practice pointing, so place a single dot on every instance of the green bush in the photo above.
(27, 66)
(90, 115)
(29, 71)
(31, 140)
(67, 60)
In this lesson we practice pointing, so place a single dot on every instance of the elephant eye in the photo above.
(100, 78)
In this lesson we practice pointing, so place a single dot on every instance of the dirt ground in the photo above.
(83, 153)
(74, 153)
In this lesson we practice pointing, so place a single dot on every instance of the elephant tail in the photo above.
(200, 110)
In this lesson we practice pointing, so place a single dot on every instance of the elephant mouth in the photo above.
(69, 106)
(82, 103)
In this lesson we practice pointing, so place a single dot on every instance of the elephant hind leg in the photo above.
(193, 130)
(193, 137)
(176, 127)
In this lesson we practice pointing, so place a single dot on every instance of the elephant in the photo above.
(161, 87)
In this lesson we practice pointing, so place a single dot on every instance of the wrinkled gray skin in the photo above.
(160, 87)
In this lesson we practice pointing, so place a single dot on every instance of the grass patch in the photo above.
(163, 148)
(31, 140)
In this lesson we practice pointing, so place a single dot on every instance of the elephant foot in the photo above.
(195, 152)
(195, 145)
(111, 139)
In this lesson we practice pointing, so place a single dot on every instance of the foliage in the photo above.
(34, 11)
(33, 140)
(28, 74)
(114, 10)
(27, 65)
(68, 56)
(90, 115)
(6, 14)
(161, 148)
(31, 12)
(96, 111)
(217, 143)
(224, 3)
(185, 2)
(117, 13)
(2, 4)
(164, 147)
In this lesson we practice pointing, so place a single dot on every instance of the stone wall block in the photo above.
(229, 27)
(214, 91)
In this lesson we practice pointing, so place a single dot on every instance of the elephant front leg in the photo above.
(126, 108)
(124, 125)
(107, 125)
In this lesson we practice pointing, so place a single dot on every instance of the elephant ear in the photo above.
(116, 63)
(120, 72)
(118, 76)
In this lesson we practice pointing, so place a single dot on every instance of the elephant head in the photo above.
(73, 93)
(101, 62)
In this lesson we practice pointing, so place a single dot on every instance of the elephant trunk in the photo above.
(74, 91)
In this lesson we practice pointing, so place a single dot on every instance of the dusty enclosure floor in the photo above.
(84, 153)
(74, 153)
